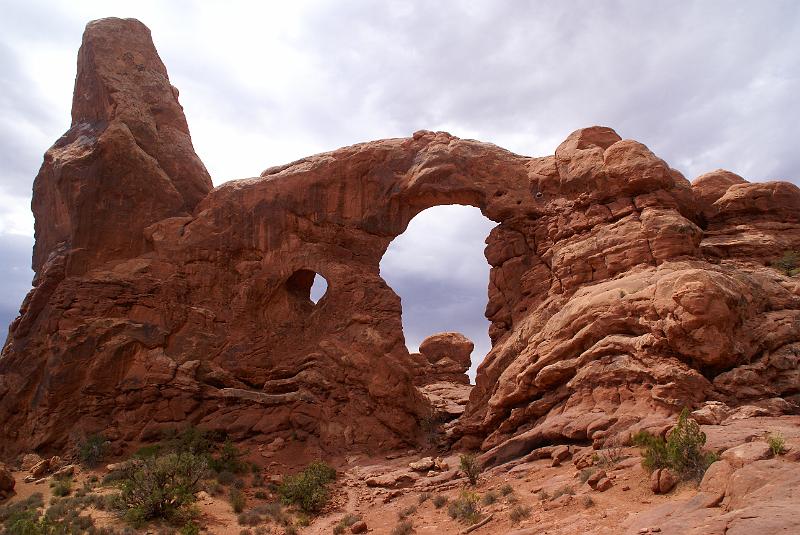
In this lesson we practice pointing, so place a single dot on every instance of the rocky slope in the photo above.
(619, 291)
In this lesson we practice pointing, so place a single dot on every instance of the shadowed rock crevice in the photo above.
(159, 302)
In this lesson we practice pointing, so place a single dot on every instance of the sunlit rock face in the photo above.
(619, 292)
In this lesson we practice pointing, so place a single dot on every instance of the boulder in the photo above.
(743, 454)
(662, 480)
(29, 460)
(359, 527)
(7, 481)
(423, 465)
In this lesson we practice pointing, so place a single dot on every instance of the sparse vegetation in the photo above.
(347, 520)
(788, 263)
(465, 509)
(424, 497)
(609, 457)
(559, 492)
(92, 449)
(308, 490)
(439, 500)
(162, 487)
(237, 499)
(519, 513)
(471, 467)
(229, 459)
(586, 473)
(261, 495)
(408, 511)
(587, 501)
(405, 527)
(506, 489)
(489, 498)
(682, 452)
(777, 444)
(62, 487)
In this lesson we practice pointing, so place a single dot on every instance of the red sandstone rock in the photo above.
(618, 294)
(662, 481)
(7, 482)
(443, 357)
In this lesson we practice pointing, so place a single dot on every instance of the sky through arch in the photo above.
(438, 269)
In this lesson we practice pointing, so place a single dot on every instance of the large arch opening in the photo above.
(438, 269)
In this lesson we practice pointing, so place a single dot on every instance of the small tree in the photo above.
(682, 452)
(471, 467)
(162, 487)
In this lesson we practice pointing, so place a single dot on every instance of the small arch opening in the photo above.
(307, 286)
(438, 268)
(319, 288)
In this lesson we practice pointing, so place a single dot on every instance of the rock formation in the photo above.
(619, 292)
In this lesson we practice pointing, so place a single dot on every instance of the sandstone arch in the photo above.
(148, 308)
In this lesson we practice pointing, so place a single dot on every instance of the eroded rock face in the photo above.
(619, 292)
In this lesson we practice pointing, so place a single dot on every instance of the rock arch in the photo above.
(154, 316)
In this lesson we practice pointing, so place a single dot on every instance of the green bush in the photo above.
(228, 459)
(92, 449)
(788, 263)
(465, 509)
(471, 467)
(309, 489)
(162, 487)
(62, 487)
(682, 452)
(777, 444)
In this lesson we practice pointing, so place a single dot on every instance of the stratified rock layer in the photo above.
(619, 292)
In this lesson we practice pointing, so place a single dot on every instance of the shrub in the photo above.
(587, 501)
(586, 473)
(150, 450)
(405, 527)
(471, 467)
(506, 489)
(439, 500)
(408, 511)
(489, 498)
(225, 477)
(348, 520)
(424, 497)
(190, 528)
(309, 489)
(519, 513)
(228, 459)
(92, 449)
(238, 500)
(261, 495)
(566, 489)
(163, 487)
(609, 457)
(776, 444)
(682, 451)
(788, 263)
(62, 487)
(465, 509)
(249, 518)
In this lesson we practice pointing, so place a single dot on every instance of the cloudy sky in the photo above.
(703, 84)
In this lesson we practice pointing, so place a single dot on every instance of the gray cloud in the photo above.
(704, 84)
(15, 277)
